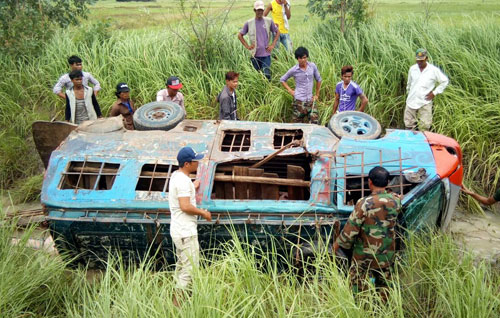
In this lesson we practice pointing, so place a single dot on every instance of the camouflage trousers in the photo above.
(304, 112)
(361, 279)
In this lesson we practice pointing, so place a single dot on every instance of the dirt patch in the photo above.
(479, 234)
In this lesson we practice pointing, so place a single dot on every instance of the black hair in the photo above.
(346, 69)
(300, 52)
(75, 74)
(74, 59)
(231, 75)
(379, 176)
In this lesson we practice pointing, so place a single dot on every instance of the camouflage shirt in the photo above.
(370, 230)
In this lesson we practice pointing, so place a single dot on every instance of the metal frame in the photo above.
(85, 171)
(243, 146)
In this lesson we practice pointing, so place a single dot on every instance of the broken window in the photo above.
(281, 178)
(283, 137)
(155, 177)
(235, 140)
(89, 175)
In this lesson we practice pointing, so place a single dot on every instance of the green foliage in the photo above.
(433, 278)
(26, 25)
(348, 13)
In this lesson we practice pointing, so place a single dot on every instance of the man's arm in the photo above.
(115, 111)
(442, 80)
(188, 208)
(244, 42)
(269, 8)
(364, 102)
(408, 83)
(288, 13)
(58, 87)
(318, 87)
(225, 108)
(96, 106)
(97, 85)
(336, 102)
(276, 37)
(480, 198)
(285, 78)
(352, 227)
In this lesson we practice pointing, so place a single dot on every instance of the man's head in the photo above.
(346, 74)
(75, 63)
(188, 159)
(301, 54)
(258, 8)
(76, 77)
(122, 91)
(232, 80)
(421, 57)
(173, 85)
(378, 177)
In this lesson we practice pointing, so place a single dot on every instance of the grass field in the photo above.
(134, 15)
(432, 278)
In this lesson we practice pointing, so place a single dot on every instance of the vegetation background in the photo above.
(142, 43)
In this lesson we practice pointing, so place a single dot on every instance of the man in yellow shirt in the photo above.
(280, 12)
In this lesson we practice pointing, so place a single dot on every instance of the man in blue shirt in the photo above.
(347, 92)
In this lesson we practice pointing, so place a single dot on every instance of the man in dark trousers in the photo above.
(370, 233)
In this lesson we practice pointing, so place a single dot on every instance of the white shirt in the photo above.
(421, 83)
(182, 224)
(162, 96)
(65, 81)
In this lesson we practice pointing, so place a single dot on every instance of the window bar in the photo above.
(232, 143)
(98, 176)
(242, 141)
(345, 181)
(80, 174)
(168, 178)
(282, 140)
(152, 178)
(400, 173)
(380, 154)
(362, 174)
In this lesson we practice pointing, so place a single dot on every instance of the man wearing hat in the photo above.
(423, 78)
(123, 106)
(171, 93)
(259, 30)
(184, 215)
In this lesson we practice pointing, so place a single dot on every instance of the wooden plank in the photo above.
(295, 172)
(270, 191)
(265, 180)
(219, 190)
(255, 189)
(240, 188)
(228, 190)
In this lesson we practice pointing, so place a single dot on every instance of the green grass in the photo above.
(433, 278)
(381, 53)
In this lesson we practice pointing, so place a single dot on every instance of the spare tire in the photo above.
(158, 116)
(355, 124)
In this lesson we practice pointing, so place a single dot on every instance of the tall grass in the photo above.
(381, 53)
(433, 278)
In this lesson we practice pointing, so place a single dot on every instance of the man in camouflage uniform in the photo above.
(370, 234)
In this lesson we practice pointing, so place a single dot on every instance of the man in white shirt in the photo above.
(75, 63)
(422, 80)
(184, 215)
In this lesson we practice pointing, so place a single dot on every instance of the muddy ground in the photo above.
(479, 234)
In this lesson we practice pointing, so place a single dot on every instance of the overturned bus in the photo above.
(296, 183)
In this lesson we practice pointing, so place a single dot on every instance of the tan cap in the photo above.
(259, 5)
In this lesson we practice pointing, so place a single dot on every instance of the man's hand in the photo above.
(207, 215)
(430, 96)
(315, 98)
(292, 92)
(62, 95)
(196, 184)
(270, 48)
(250, 47)
(335, 247)
(466, 190)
